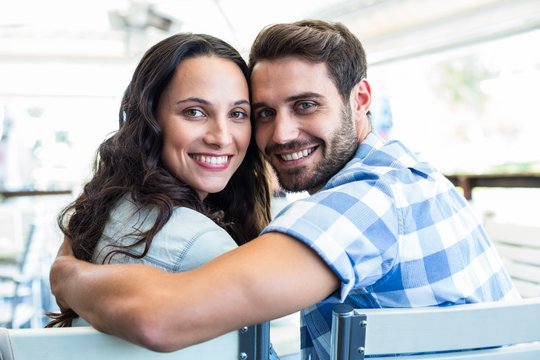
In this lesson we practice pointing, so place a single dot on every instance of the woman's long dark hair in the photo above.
(128, 163)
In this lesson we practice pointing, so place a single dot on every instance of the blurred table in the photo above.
(8, 252)
(10, 194)
(469, 181)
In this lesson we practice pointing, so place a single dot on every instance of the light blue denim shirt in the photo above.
(188, 240)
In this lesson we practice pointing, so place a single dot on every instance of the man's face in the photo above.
(302, 125)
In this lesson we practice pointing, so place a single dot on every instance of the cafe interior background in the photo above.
(457, 81)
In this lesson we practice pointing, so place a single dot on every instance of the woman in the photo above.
(182, 177)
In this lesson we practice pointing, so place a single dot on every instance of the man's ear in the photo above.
(361, 98)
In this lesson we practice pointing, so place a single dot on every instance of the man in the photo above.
(379, 229)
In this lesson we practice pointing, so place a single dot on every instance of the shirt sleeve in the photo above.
(354, 232)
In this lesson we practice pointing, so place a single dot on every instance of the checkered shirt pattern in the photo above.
(397, 233)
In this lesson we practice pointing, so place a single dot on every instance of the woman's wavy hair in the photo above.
(128, 163)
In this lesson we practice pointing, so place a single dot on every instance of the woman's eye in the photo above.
(239, 114)
(194, 113)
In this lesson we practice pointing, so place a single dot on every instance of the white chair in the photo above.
(249, 343)
(519, 248)
(20, 292)
(486, 331)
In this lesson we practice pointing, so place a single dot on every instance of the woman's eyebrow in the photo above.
(193, 99)
(206, 102)
(241, 102)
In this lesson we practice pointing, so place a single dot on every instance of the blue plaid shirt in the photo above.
(397, 234)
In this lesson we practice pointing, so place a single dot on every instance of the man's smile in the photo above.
(297, 154)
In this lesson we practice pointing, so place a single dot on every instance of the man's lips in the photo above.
(295, 155)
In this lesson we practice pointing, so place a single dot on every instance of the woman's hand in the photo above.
(65, 260)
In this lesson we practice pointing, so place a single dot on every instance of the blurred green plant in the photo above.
(459, 82)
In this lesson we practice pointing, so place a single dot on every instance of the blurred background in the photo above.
(457, 81)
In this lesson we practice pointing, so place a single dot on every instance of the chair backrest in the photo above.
(11, 227)
(249, 343)
(519, 248)
(480, 331)
(29, 242)
(20, 293)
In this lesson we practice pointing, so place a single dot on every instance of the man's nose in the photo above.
(285, 128)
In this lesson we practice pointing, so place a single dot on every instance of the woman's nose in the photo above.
(218, 133)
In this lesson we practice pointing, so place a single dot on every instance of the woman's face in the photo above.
(204, 113)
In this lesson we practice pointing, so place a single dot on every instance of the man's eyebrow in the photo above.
(304, 95)
(258, 105)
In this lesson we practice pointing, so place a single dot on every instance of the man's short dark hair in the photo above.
(316, 41)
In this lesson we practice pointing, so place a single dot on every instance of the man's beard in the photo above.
(343, 145)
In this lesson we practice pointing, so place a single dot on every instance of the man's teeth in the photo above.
(213, 160)
(297, 155)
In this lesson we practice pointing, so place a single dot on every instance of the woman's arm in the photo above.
(267, 278)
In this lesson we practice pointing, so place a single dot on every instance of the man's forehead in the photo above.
(289, 76)
(288, 64)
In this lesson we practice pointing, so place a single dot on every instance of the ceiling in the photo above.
(120, 30)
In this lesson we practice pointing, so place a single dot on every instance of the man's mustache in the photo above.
(291, 146)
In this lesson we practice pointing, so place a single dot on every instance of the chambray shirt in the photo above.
(397, 234)
(188, 240)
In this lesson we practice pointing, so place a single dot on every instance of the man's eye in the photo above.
(265, 114)
(305, 105)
